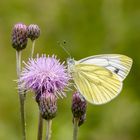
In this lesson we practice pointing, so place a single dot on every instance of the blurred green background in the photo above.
(89, 28)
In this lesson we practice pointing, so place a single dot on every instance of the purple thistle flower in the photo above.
(44, 74)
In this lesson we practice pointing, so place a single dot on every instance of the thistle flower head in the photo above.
(33, 31)
(44, 74)
(79, 105)
(19, 36)
(48, 105)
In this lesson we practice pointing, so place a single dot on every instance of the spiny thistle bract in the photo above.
(33, 31)
(19, 36)
(78, 108)
(48, 105)
(79, 105)
(82, 120)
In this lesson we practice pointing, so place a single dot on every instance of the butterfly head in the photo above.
(70, 63)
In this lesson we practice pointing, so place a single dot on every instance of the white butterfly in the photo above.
(100, 78)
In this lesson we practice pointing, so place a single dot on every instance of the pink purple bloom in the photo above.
(44, 74)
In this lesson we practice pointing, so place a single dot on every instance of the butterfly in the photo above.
(99, 78)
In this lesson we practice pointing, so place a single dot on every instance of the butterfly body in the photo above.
(100, 78)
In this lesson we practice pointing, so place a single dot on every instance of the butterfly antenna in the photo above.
(62, 45)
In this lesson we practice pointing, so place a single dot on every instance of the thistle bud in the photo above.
(82, 120)
(19, 36)
(33, 31)
(78, 105)
(37, 97)
(48, 105)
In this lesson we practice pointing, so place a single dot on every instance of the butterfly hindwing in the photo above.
(97, 84)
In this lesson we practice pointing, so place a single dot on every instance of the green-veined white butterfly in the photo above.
(100, 78)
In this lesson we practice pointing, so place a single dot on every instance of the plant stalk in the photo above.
(40, 127)
(75, 128)
(33, 48)
(48, 133)
(40, 119)
(21, 96)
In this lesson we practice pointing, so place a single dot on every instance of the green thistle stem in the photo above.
(21, 95)
(40, 127)
(75, 129)
(40, 120)
(33, 48)
(48, 133)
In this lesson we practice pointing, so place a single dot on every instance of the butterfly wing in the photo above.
(119, 64)
(97, 84)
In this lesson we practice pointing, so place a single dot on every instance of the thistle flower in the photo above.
(44, 74)
(33, 31)
(48, 105)
(19, 36)
(79, 105)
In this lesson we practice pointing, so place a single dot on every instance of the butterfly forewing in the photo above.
(116, 63)
(97, 84)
